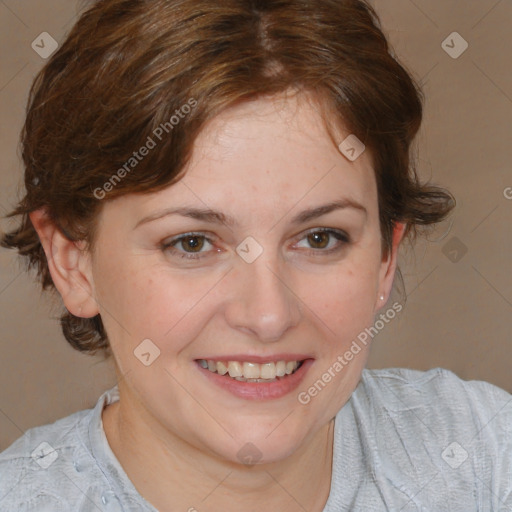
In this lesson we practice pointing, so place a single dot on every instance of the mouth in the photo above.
(249, 380)
(245, 371)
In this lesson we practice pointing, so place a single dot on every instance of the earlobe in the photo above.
(388, 265)
(69, 266)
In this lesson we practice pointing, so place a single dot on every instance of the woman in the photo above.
(218, 193)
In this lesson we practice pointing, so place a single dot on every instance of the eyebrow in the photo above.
(216, 217)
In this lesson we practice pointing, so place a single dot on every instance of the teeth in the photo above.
(235, 369)
(290, 367)
(268, 371)
(280, 368)
(251, 372)
(222, 369)
(242, 379)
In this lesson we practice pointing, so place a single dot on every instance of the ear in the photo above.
(69, 264)
(388, 266)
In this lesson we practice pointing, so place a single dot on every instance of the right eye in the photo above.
(188, 245)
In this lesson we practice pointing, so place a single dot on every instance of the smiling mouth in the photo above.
(244, 371)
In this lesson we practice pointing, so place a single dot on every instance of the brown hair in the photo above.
(128, 66)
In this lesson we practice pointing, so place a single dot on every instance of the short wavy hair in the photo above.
(128, 66)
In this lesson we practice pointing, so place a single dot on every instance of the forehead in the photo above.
(280, 141)
(265, 156)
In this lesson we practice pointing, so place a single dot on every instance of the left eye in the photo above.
(326, 239)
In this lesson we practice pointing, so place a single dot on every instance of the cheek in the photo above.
(344, 300)
(141, 300)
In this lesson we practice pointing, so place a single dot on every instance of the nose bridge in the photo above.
(263, 303)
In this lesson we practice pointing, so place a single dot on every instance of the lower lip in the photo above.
(259, 390)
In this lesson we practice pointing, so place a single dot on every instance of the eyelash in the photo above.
(341, 236)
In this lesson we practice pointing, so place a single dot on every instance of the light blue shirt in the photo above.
(405, 441)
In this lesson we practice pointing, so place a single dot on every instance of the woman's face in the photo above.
(266, 273)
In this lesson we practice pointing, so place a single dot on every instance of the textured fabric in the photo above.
(405, 441)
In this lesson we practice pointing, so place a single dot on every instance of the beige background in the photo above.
(457, 314)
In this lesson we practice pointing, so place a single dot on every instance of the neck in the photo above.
(172, 474)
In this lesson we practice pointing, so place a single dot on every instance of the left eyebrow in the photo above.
(318, 211)
(216, 217)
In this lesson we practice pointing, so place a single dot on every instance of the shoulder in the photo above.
(423, 440)
(460, 430)
(437, 386)
(439, 397)
(40, 470)
(428, 430)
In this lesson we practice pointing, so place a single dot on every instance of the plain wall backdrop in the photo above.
(458, 282)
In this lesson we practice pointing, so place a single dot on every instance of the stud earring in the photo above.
(382, 297)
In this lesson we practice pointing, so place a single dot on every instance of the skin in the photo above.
(176, 435)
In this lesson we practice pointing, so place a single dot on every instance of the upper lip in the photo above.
(250, 358)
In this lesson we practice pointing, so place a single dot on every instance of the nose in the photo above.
(264, 304)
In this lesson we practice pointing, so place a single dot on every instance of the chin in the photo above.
(260, 450)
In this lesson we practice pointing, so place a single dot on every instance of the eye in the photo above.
(188, 245)
(195, 246)
(325, 240)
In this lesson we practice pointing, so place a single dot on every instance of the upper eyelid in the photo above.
(170, 242)
(322, 229)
